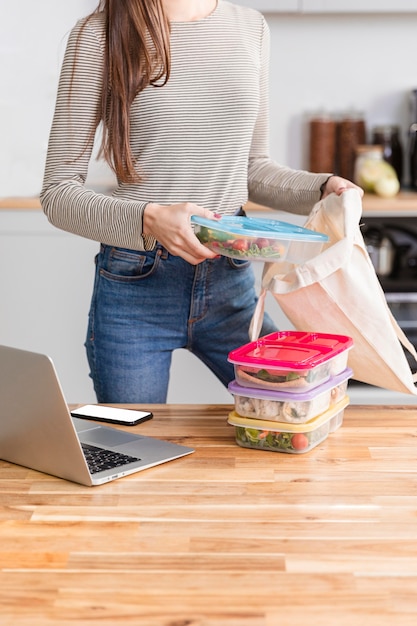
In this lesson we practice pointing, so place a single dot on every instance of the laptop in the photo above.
(38, 431)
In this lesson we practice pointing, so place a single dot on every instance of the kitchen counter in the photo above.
(405, 203)
(224, 537)
(20, 203)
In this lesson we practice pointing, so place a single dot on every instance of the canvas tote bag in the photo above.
(338, 292)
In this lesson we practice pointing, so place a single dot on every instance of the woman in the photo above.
(180, 88)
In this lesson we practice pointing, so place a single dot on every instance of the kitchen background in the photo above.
(326, 55)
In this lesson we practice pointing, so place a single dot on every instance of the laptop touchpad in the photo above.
(107, 438)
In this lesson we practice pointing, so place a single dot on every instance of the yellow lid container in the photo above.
(285, 437)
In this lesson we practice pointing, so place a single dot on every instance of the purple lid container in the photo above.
(272, 394)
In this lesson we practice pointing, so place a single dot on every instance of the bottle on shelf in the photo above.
(413, 155)
(412, 140)
(388, 136)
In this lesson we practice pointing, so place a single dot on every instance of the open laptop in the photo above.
(38, 431)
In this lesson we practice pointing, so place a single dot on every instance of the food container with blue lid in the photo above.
(293, 408)
(283, 437)
(294, 361)
(254, 239)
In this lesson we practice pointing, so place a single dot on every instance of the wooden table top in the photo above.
(224, 537)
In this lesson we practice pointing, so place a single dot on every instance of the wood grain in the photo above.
(224, 537)
(28, 202)
(404, 204)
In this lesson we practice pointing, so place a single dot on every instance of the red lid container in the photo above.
(290, 360)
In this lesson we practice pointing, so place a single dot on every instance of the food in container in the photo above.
(258, 239)
(283, 437)
(286, 406)
(294, 361)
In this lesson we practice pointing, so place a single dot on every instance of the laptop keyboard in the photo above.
(99, 459)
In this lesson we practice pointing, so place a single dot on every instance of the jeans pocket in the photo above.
(238, 264)
(123, 265)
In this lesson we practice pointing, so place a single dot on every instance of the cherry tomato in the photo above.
(299, 441)
(240, 244)
(262, 242)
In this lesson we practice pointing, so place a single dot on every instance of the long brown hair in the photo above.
(137, 55)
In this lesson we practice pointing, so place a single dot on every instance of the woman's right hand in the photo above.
(171, 227)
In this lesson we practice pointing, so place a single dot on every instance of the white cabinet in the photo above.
(358, 6)
(331, 6)
(271, 6)
(46, 278)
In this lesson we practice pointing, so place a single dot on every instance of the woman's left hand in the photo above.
(337, 185)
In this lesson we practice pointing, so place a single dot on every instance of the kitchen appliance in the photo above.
(392, 246)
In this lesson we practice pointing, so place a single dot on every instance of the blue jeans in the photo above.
(147, 304)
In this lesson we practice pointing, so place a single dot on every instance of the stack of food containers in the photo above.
(290, 387)
(289, 390)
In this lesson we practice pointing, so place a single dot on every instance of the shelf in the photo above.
(19, 203)
(271, 6)
(358, 6)
(404, 204)
(312, 7)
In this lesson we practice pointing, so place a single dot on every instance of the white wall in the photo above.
(32, 42)
(334, 62)
(338, 62)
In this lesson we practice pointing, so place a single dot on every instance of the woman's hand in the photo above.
(171, 227)
(337, 185)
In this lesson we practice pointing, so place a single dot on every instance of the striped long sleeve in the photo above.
(202, 138)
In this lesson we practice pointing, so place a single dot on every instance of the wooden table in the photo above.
(224, 537)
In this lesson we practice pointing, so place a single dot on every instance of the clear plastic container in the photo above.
(292, 361)
(258, 239)
(290, 438)
(292, 408)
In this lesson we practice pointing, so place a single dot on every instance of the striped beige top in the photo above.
(201, 138)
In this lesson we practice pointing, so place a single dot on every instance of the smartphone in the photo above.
(128, 417)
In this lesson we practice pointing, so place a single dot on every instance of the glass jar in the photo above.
(389, 138)
(351, 133)
(322, 146)
(365, 158)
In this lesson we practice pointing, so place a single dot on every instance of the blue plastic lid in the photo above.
(253, 227)
(285, 396)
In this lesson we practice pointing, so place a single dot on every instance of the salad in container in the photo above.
(283, 437)
(247, 238)
(294, 361)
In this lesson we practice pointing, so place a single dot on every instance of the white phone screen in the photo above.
(111, 414)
